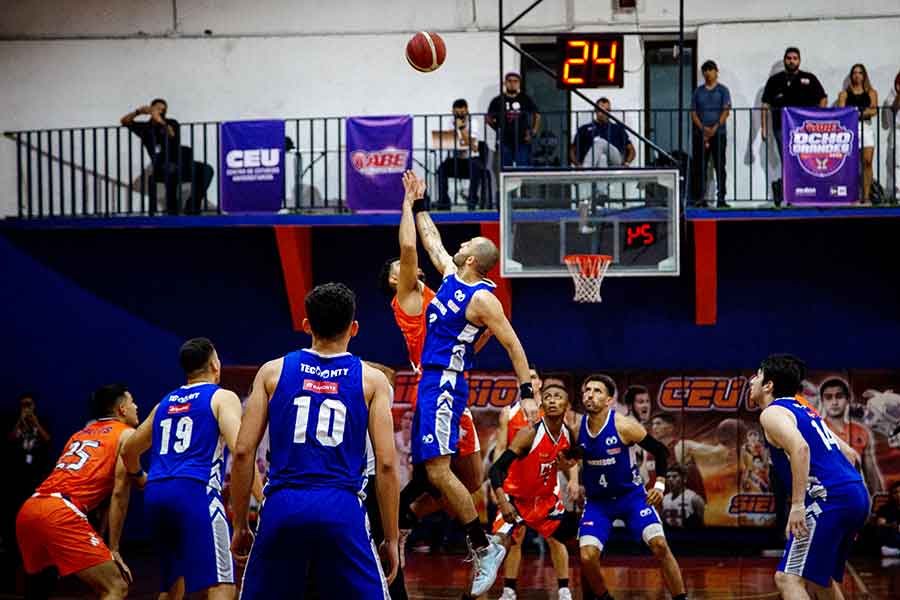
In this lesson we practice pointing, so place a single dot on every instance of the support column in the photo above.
(705, 272)
(295, 250)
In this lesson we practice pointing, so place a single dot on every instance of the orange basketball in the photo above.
(425, 51)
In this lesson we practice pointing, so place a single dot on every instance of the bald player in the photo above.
(461, 311)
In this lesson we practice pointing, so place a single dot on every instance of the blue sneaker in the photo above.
(487, 563)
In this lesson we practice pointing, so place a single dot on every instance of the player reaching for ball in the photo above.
(614, 488)
(461, 311)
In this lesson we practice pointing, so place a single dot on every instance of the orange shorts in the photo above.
(54, 532)
(468, 438)
(541, 513)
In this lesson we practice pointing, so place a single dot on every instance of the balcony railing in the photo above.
(105, 171)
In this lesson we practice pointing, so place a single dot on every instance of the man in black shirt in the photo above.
(888, 522)
(522, 122)
(614, 149)
(172, 163)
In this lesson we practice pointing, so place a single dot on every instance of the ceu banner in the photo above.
(251, 163)
(379, 149)
(821, 155)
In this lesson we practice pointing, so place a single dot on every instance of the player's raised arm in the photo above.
(227, 409)
(487, 309)
(780, 427)
(431, 237)
(387, 481)
(136, 444)
(632, 432)
(253, 426)
(408, 293)
(500, 469)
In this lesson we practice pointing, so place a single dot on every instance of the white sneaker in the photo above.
(564, 594)
(508, 594)
(401, 546)
(487, 562)
(888, 551)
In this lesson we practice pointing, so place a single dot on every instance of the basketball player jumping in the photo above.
(463, 308)
(525, 481)
(829, 501)
(402, 280)
(52, 527)
(613, 485)
(188, 431)
(320, 404)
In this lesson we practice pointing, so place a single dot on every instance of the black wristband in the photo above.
(139, 473)
(419, 206)
(526, 390)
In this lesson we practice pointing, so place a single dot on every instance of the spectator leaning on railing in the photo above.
(522, 122)
(791, 87)
(860, 94)
(710, 107)
(172, 163)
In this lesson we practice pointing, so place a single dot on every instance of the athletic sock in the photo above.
(476, 534)
(510, 582)
(562, 583)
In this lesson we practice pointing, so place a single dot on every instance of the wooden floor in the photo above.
(707, 578)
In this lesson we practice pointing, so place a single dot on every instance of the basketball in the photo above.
(425, 51)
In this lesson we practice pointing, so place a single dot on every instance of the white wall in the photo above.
(68, 64)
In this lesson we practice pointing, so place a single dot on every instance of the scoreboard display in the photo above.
(590, 61)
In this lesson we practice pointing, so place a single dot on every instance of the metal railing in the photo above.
(105, 171)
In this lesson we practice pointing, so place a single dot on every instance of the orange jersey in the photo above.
(517, 422)
(85, 473)
(535, 474)
(413, 329)
(856, 435)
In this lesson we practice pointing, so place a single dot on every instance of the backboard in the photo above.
(630, 214)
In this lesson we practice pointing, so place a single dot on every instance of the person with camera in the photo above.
(463, 161)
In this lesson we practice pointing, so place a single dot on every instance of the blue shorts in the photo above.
(641, 519)
(324, 531)
(833, 523)
(192, 533)
(442, 398)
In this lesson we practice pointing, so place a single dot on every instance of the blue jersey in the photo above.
(828, 467)
(610, 470)
(450, 338)
(318, 423)
(186, 439)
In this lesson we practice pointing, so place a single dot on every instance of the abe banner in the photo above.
(251, 164)
(379, 149)
(821, 155)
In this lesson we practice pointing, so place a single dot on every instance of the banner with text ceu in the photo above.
(251, 163)
(821, 156)
(379, 149)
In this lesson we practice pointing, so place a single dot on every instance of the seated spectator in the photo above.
(464, 162)
(887, 519)
(861, 95)
(523, 121)
(172, 163)
(710, 106)
(601, 143)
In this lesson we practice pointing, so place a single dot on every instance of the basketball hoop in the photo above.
(587, 272)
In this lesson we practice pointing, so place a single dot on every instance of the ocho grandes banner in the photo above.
(379, 150)
(820, 156)
(251, 166)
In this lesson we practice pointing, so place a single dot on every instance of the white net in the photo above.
(587, 272)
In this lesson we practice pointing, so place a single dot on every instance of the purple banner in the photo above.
(821, 155)
(379, 149)
(251, 166)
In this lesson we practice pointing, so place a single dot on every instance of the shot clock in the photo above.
(590, 61)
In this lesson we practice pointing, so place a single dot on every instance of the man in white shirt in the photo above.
(463, 161)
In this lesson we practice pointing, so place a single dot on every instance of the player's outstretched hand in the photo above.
(654, 497)
(509, 512)
(410, 181)
(797, 522)
(390, 559)
(123, 568)
(241, 542)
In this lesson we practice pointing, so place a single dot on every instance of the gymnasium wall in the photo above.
(86, 64)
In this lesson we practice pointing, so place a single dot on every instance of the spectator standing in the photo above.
(464, 162)
(861, 95)
(523, 121)
(887, 519)
(894, 126)
(601, 143)
(791, 87)
(710, 107)
(172, 163)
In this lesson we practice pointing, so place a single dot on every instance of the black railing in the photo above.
(105, 171)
